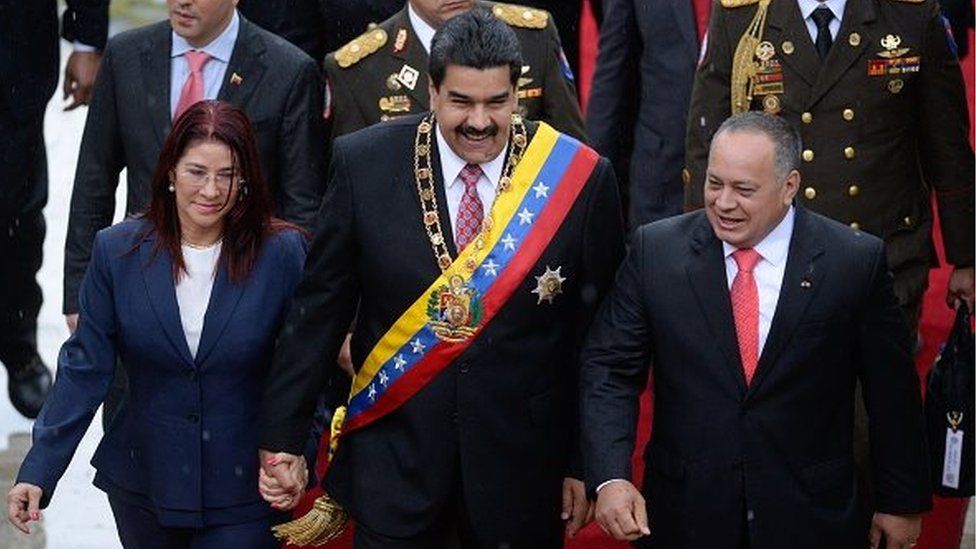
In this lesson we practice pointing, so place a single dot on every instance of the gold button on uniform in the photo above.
(849, 153)
(907, 221)
(848, 114)
(855, 225)
(853, 190)
(808, 155)
(787, 47)
(810, 193)
(806, 118)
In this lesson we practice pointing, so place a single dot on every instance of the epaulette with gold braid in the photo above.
(521, 16)
(360, 47)
(738, 3)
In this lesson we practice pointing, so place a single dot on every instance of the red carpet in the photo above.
(942, 527)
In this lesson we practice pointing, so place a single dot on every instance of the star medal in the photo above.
(549, 284)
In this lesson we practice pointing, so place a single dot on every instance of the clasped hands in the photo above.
(282, 479)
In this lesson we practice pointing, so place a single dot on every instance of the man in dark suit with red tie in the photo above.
(639, 99)
(759, 317)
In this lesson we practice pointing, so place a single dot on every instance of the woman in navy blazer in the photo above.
(190, 297)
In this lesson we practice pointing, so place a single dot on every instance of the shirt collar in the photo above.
(775, 246)
(836, 7)
(424, 32)
(220, 48)
(452, 164)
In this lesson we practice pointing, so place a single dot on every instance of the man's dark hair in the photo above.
(475, 39)
(785, 138)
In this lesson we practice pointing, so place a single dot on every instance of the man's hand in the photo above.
(289, 474)
(961, 287)
(620, 511)
(345, 357)
(577, 511)
(72, 322)
(23, 505)
(898, 531)
(79, 77)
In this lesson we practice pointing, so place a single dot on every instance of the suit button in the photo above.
(454, 416)
(808, 155)
(464, 368)
(853, 190)
(193, 418)
(750, 515)
(907, 221)
(810, 193)
(806, 117)
(848, 114)
(849, 153)
(855, 225)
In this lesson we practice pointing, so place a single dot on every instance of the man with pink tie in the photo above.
(758, 317)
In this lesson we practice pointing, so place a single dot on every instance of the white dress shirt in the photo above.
(451, 166)
(214, 70)
(424, 32)
(193, 291)
(835, 6)
(768, 271)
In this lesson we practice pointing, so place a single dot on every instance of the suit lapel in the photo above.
(785, 24)
(158, 277)
(685, 18)
(842, 54)
(223, 301)
(156, 74)
(706, 273)
(246, 67)
(801, 283)
(413, 55)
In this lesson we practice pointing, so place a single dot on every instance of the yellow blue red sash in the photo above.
(544, 186)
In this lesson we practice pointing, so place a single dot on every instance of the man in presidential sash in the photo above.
(477, 246)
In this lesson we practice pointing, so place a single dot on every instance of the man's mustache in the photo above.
(474, 133)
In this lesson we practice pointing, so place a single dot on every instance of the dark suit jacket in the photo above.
(639, 100)
(301, 22)
(129, 118)
(29, 64)
(778, 451)
(878, 145)
(185, 440)
(510, 396)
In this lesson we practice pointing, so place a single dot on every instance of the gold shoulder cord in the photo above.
(743, 67)
(326, 520)
(424, 174)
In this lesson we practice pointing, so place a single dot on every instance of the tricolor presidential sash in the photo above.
(457, 307)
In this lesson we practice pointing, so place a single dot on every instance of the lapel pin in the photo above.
(236, 79)
(805, 283)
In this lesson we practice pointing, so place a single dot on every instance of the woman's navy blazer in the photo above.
(185, 439)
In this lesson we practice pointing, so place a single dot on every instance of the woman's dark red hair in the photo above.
(249, 220)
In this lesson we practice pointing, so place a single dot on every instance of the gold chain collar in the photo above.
(424, 175)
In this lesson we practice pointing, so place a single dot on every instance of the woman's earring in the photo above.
(243, 192)
(171, 188)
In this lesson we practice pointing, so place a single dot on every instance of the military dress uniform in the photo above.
(382, 74)
(883, 119)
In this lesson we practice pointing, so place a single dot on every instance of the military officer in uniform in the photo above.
(877, 94)
(382, 74)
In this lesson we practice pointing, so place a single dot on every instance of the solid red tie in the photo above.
(193, 87)
(745, 310)
(702, 9)
(471, 211)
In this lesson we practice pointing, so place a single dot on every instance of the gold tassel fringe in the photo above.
(324, 522)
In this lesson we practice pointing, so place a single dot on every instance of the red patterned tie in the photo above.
(471, 212)
(193, 87)
(745, 310)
